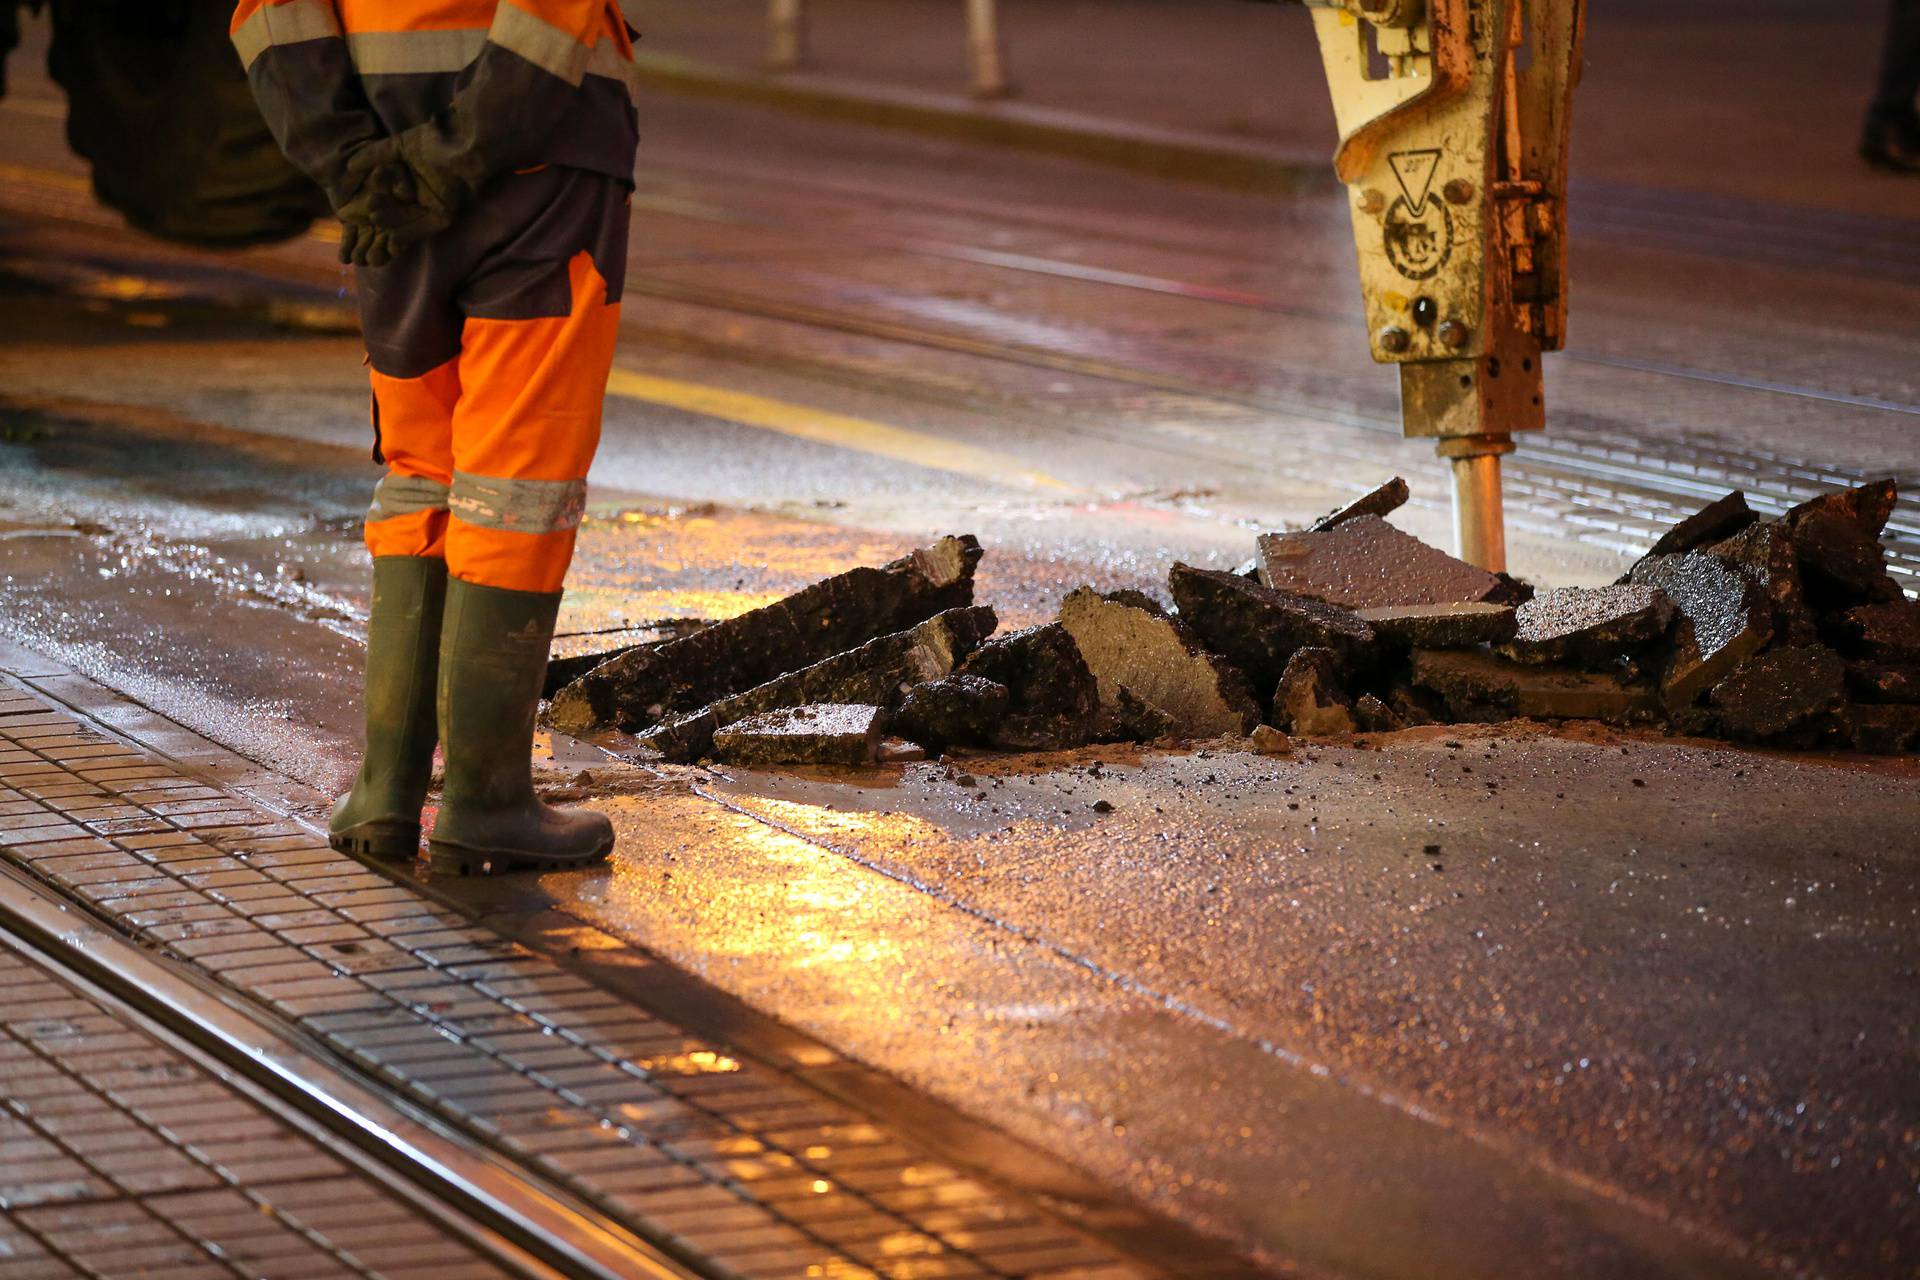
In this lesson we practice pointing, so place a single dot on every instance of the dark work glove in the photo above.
(392, 208)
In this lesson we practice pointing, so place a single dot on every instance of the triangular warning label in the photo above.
(1415, 171)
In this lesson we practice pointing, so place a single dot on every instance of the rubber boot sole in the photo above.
(445, 859)
(387, 841)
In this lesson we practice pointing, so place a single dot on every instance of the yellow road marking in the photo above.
(801, 422)
(44, 108)
(48, 179)
(840, 430)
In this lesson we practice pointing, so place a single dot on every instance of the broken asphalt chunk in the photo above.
(1366, 563)
(1258, 629)
(1841, 562)
(1415, 707)
(1480, 686)
(1053, 697)
(1589, 626)
(1310, 700)
(1269, 741)
(959, 711)
(1888, 633)
(639, 689)
(839, 734)
(1722, 621)
(562, 672)
(1376, 716)
(1778, 692)
(1128, 719)
(880, 673)
(1714, 522)
(1765, 554)
(1883, 730)
(1384, 501)
(1874, 682)
(1442, 626)
(1511, 591)
(1129, 643)
(1867, 506)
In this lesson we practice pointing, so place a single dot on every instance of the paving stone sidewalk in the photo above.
(666, 1131)
(119, 1155)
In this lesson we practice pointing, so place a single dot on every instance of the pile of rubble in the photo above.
(1786, 631)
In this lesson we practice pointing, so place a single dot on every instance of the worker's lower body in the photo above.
(490, 347)
(1891, 139)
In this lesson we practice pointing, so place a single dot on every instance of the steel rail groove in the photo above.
(530, 1228)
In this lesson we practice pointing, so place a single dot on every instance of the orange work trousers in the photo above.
(489, 349)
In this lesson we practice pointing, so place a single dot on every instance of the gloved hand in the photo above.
(391, 209)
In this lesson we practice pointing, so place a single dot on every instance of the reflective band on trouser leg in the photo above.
(524, 435)
(408, 517)
(519, 506)
(415, 423)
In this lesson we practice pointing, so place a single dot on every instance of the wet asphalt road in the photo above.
(1484, 1003)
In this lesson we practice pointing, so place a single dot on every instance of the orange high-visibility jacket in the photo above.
(503, 83)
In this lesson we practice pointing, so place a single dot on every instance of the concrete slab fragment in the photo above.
(1589, 626)
(1258, 629)
(843, 734)
(1442, 626)
(640, 689)
(1366, 563)
(1128, 644)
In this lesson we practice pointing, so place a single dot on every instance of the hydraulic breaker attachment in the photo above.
(1453, 146)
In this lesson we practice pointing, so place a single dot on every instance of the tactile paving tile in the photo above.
(656, 1127)
(119, 1156)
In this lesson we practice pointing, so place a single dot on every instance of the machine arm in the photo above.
(1453, 145)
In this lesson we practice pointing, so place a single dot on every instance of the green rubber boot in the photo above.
(493, 663)
(380, 817)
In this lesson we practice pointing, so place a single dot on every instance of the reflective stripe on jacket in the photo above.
(511, 83)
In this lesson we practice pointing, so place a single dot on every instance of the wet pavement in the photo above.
(1451, 1003)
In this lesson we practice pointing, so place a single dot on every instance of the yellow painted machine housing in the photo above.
(1453, 122)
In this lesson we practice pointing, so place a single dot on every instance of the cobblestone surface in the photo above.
(661, 1129)
(121, 1156)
